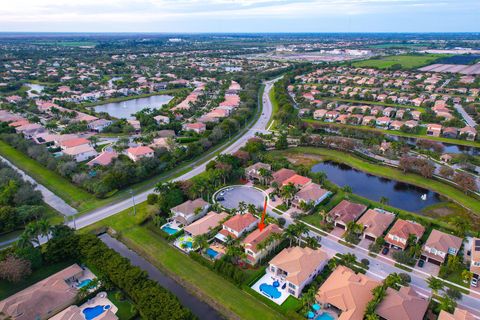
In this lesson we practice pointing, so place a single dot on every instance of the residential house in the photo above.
(30, 130)
(49, 296)
(469, 132)
(103, 159)
(99, 125)
(162, 119)
(475, 258)
(297, 267)
(137, 153)
(281, 175)
(319, 114)
(458, 314)
(206, 224)
(383, 121)
(81, 153)
(375, 222)
(450, 132)
(347, 292)
(311, 194)
(73, 142)
(438, 245)
(403, 304)
(252, 241)
(237, 226)
(297, 180)
(434, 129)
(345, 212)
(398, 235)
(190, 211)
(197, 127)
(252, 173)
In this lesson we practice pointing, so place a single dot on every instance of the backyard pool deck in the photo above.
(267, 281)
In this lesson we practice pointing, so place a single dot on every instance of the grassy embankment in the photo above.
(442, 188)
(198, 279)
(397, 133)
(274, 102)
(406, 61)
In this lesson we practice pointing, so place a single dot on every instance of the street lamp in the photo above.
(133, 200)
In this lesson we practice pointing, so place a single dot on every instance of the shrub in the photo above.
(152, 198)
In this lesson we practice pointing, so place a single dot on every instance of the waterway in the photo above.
(198, 307)
(126, 109)
(399, 194)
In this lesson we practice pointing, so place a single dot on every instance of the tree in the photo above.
(465, 181)
(454, 294)
(14, 269)
(383, 200)
(435, 284)
(447, 304)
(467, 276)
(288, 192)
(242, 206)
(94, 140)
(44, 228)
(200, 241)
(446, 172)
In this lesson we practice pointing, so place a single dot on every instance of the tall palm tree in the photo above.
(290, 233)
(301, 229)
(251, 208)
(44, 228)
(435, 284)
(242, 206)
(288, 192)
(200, 241)
(32, 231)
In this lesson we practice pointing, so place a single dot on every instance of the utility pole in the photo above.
(133, 200)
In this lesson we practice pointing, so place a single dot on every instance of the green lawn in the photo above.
(397, 133)
(406, 61)
(124, 307)
(392, 173)
(199, 279)
(7, 288)
(274, 107)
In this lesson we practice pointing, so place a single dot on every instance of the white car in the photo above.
(474, 282)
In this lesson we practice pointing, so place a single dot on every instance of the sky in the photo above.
(187, 16)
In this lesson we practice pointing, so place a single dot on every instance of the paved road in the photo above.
(468, 119)
(259, 126)
(49, 197)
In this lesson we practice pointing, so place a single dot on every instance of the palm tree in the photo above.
(200, 241)
(288, 192)
(242, 206)
(447, 304)
(31, 230)
(24, 240)
(94, 140)
(435, 284)
(251, 208)
(312, 242)
(393, 280)
(349, 259)
(44, 228)
(265, 174)
(384, 200)
(467, 276)
(301, 229)
(290, 233)
(354, 227)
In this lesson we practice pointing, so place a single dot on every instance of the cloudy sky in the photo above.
(240, 15)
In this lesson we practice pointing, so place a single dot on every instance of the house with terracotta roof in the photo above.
(81, 153)
(251, 243)
(281, 175)
(162, 119)
(475, 258)
(403, 304)
(297, 267)
(197, 127)
(469, 133)
(346, 292)
(438, 245)
(345, 212)
(458, 314)
(434, 129)
(44, 298)
(237, 226)
(140, 152)
(312, 194)
(73, 142)
(375, 222)
(206, 224)
(297, 180)
(103, 159)
(30, 130)
(252, 173)
(189, 211)
(398, 235)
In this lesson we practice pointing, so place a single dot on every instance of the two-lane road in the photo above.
(259, 126)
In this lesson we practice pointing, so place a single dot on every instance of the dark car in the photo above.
(220, 198)
(421, 263)
(385, 250)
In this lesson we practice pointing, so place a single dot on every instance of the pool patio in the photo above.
(171, 227)
(184, 243)
(266, 283)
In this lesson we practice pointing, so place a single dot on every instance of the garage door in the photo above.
(340, 225)
(369, 237)
(433, 261)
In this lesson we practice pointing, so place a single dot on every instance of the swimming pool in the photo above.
(324, 316)
(168, 229)
(93, 312)
(84, 283)
(212, 253)
(270, 290)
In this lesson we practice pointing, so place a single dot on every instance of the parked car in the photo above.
(220, 198)
(421, 263)
(385, 250)
(474, 282)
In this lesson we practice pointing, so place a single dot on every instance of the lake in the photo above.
(125, 109)
(400, 195)
(449, 147)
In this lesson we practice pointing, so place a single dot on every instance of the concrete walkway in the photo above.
(468, 119)
(49, 197)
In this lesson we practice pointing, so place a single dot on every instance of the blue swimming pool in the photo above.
(169, 229)
(270, 291)
(212, 253)
(324, 316)
(189, 244)
(84, 283)
(93, 312)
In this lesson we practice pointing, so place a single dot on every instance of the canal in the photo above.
(126, 109)
(198, 307)
(399, 194)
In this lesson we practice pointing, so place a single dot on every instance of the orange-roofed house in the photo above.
(103, 159)
(403, 304)
(375, 223)
(252, 241)
(74, 142)
(438, 245)
(345, 212)
(434, 129)
(81, 153)
(137, 153)
(237, 226)
(347, 292)
(281, 175)
(206, 224)
(475, 258)
(297, 180)
(197, 127)
(469, 133)
(311, 194)
(297, 267)
(458, 314)
(398, 236)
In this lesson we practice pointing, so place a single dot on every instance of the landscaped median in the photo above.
(207, 285)
(442, 188)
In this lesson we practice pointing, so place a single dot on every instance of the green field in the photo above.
(405, 61)
(198, 279)
(274, 108)
(448, 191)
